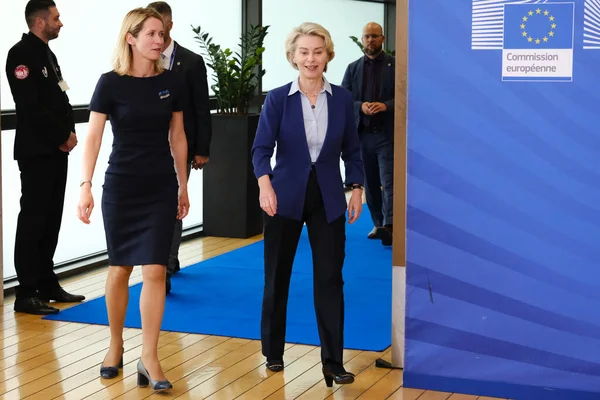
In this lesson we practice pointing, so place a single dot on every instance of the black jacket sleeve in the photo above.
(25, 91)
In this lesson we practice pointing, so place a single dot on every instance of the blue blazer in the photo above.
(281, 123)
(353, 81)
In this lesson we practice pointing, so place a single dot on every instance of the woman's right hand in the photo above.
(86, 204)
(267, 197)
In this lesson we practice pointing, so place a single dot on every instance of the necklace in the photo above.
(312, 106)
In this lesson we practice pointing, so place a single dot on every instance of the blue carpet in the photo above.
(223, 295)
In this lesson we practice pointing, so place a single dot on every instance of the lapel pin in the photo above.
(390, 64)
(178, 62)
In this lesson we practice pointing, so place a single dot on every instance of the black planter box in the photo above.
(230, 189)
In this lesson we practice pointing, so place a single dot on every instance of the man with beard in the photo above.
(45, 135)
(371, 81)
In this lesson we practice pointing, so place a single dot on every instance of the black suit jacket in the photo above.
(190, 67)
(353, 81)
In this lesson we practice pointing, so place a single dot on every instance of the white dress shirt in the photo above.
(166, 55)
(315, 119)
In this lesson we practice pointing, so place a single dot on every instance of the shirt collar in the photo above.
(169, 50)
(34, 39)
(379, 57)
(296, 87)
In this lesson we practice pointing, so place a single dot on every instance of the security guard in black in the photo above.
(44, 115)
(45, 135)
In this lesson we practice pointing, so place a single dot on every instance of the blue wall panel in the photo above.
(503, 216)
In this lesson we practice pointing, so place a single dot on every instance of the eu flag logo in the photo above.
(538, 42)
(538, 26)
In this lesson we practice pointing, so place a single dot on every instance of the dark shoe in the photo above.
(275, 365)
(111, 372)
(143, 379)
(33, 305)
(60, 295)
(373, 233)
(337, 374)
(168, 283)
(385, 235)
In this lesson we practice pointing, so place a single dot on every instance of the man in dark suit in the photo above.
(196, 113)
(45, 136)
(371, 81)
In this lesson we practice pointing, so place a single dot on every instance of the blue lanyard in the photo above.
(172, 55)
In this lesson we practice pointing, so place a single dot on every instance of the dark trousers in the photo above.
(378, 160)
(327, 241)
(43, 182)
(173, 263)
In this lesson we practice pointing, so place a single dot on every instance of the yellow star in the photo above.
(529, 39)
(551, 18)
(546, 13)
(524, 34)
(530, 13)
(538, 11)
(524, 19)
(537, 41)
(522, 26)
(545, 39)
(553, 26)
(551, 33)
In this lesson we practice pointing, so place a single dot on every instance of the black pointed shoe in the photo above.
(59, 295)
(33, 305)
(111, 372)
(338, 375)
(275, 365)
(144, 379)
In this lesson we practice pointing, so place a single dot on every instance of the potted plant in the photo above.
(230, 191)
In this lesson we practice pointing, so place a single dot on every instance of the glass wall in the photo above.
(342, 18)
(84, 51)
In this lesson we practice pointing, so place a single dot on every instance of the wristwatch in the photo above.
(356, 186)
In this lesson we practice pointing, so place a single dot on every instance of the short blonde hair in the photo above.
(133, 23)
(308, 29)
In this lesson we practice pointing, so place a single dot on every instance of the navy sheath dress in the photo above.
(140, 191)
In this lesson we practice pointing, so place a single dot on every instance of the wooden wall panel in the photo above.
(399, 245)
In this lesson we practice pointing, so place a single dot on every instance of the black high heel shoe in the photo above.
(143, 379)
(111, 372)
(339, 375)
(275, 365)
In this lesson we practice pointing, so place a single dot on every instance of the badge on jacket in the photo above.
(164, 94)
(21, 72)
(45, 72)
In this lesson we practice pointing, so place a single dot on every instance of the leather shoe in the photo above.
(373, 233)
(337, 374)
(33, 305)
(385, 235)
(60, 295)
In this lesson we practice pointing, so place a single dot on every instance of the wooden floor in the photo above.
(60, 360)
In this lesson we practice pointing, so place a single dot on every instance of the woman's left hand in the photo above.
(355, 205)
(184, 204)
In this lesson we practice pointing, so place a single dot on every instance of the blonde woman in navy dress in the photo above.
(144, 189)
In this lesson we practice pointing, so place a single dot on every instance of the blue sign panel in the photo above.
(503, 219)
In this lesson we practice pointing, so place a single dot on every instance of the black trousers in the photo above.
(43, 182)
(327, 241)
(176, 241)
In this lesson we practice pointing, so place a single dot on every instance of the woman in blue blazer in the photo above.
(312, 123)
